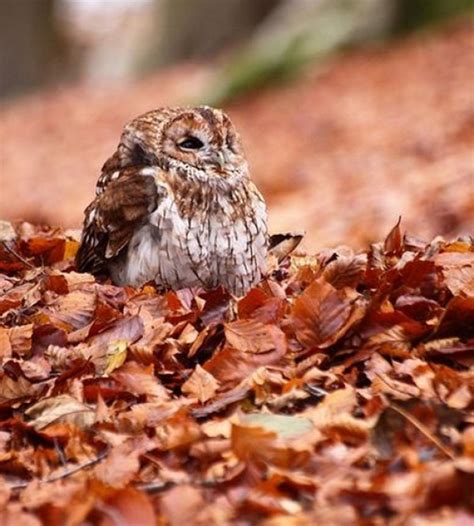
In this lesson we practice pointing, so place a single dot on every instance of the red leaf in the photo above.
(261, 307)
(51, 249)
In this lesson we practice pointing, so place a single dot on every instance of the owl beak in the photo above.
(219, 160)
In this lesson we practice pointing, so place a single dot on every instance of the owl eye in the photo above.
(191, 143)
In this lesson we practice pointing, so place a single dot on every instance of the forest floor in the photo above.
(371, 135)
(338, 391)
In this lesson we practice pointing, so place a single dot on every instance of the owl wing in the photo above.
(122, 205)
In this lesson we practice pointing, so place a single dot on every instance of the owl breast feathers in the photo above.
(175, 204)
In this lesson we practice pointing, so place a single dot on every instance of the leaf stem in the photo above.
(423, 429)
(66, 473)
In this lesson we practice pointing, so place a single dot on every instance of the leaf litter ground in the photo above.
(338, 391)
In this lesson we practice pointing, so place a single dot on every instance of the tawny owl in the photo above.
(175, 204)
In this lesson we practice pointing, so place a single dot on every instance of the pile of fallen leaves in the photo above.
(338, 391)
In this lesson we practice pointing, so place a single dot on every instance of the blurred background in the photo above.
(352, 112)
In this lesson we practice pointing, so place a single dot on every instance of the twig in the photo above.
(160, 485)
(59, 452)
(423, 429)
(66, 473)
(415, 422)
(17, 256)
(155, 486)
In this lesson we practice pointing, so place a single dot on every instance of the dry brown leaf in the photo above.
(178, 431)
(128, 504)
(393, 242)
(394, 341)
(254, 337)
(322, 314)
(458, 271)
(20, 338)
(14, 515)
(182, 505)
(333, 417)
(63, 408)
(25, 295)
(155, 333)
(260, 443)
(140, 380)
(127, 330)
(19, 388)
(122, 462)
(345, 271)
(16, 340)
(230, 366)
(73, 310)
(201, 385)
(61, 492)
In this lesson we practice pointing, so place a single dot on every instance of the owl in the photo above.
(175, 204)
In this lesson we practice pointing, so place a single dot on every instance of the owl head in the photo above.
(198, 142)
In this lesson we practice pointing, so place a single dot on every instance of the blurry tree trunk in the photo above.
(196, 28)
(28, 44)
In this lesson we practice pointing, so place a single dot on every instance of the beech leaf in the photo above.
(62, 408)
(116, 355)
(322, 314)
(201, 384)
(254, 337)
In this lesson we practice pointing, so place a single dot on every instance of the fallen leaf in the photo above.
(122, 463)
(283, 425)
(140, 380)
(16, 340)
(201, 385)
(336, 391)
(74, 310)
(345, 271)
(458, 271)
(128, 505)
(393, 242)
(322, 314)
(116, 355)
(254, 337)
(62, 408)
(182, 505)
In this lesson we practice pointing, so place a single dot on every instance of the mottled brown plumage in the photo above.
(175, 204)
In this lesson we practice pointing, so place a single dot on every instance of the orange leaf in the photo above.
(121, 465)
(130, 506)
